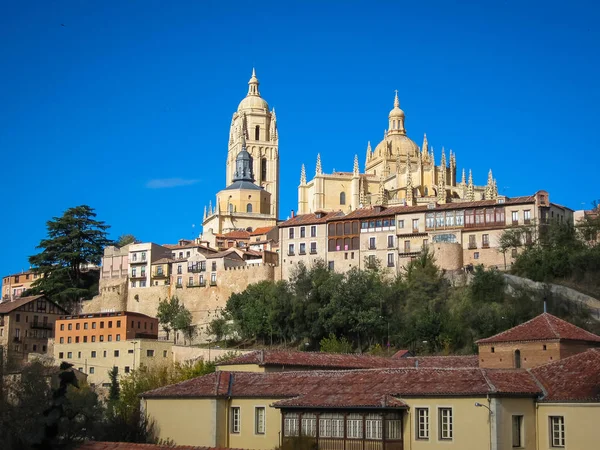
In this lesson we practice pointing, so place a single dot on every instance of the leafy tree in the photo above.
(331, 344)
(75, 242)
(126, 239)
(113, 394)
(219, 328)
(173, 315)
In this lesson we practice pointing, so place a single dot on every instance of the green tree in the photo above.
(126, 239)
(113, 376)
(74, 243)
(173, 315)
(183, 322)
(331, 344)
(219, 328)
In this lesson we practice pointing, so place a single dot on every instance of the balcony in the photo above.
(515, 222)
(159, 275)
(192, 269)
(527, 221)
(195, 285)
(138, 276)
(372, 247)
(472, 246)
(485, 245)
(142, 261)
(415, 230)
(40, 326)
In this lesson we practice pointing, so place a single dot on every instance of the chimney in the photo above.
(293, 214)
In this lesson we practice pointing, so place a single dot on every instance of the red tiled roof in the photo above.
(261, 230)
(92, 445)
(353, 387)
(540, 328)
(347, 360)
(7, 307)
(310, 219)
(575, 379)
(357, 400)
(401, 354)
(237, 234)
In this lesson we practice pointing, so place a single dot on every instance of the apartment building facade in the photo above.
(13, 286)
(27, 324)
(459, 234)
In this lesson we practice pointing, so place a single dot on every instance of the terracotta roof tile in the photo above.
(238, 234)
(92, 445)
(575, 379)
(540, 328)
(7, 307)
(310, 219)
(401, 354)
(261, 230)
(353, 387)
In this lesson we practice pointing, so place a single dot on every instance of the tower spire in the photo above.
(396, 100)
(489, 188)
(303, 175)
(253, 84)
(356, 170)
(425, 148)
(463, 181)
(470, 188)
(409, 184)
(204, 217)
(319, 170)
(369, 152)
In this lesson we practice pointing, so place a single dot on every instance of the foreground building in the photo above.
(95, 343)
(256, 402)
(27, 325)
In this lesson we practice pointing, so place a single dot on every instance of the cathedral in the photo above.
(396, 172)
(251, 197)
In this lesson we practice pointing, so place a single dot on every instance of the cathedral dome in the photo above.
(397, 144)
(253, 100)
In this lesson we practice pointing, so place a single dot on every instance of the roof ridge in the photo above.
(488, 381)
(550, 324)
(538, 382)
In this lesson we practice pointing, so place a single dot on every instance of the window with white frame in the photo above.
(331, 425)
(390, 260)
(259, 420)
(290, 249)
(313, 231)
(313, 247)
(354, 426)
(373, 426)
(515, 216)
(445, 421)
(393, 426)
(401, 224)
(371, 243)
(291, 233)
(302, 232)
(290, 424)
(390, 240)
(557, 431)
(309, 424)
(235, 419)
(422, 415)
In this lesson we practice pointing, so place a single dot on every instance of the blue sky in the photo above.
(126, 106)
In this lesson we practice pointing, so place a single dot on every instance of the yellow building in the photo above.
(396, 172)
(250, 199)
(264, 399)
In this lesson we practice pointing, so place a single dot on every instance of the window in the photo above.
(390, 241)
(342, 198)
(213, 278)
(179, 269)
(93, 325)
(116, 353)
(309, 424)
(91, 370)
(17, 317)
(401, 224)
(517, 431)
(70, 326)
(291, 250)
(126, 369)
(373, 426)
(313, 231)
(93, 353)
(61, 355)
(472, 241)
(69, 340)
(118, 337)
(179, 281)
(164, 353)
(150, 353)
(372, 243)
(515, 217)
(249, 208)
(527, 216)
(263, 168)
(79, 355)
(445, 421)
(291, 233)
(331, 265)
(390, 260)
(302, 232)
(290, 424)
(214, 266)
(517, 359)
(313, 248)
(93, 338)
(303, 248)
(485, 240)
(259, 420)
(476, 255)
(101, 324)
(101, 338)
(557, 431)
(62, 327)
(190, 281)
(422, 415)
(331, 425)
(143, 256)
(62, 340)
(69, 355)
(415, 225)
(354, 426)
(406, 246)
(235, 419)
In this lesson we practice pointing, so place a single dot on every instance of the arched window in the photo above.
(342, 198)
(249, 207)
(517, 359)
(257, 132)
(230, 207)
(263, 169)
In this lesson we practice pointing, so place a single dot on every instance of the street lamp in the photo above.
(479, 405)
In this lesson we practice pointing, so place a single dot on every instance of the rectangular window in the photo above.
(302, 232)
(313, 231)
(517, 431)
(126, 369)
(290, 424)
(69, 355)
(415, 225)
(390, 241)
(527, 216)
(313, 248)
(91, 370)
(303, 248)
(372, 243)
(390, 260)
(116, 353)
(62, 340)
(445, 421)
(235, 419)
(291, 250)
(93, 325)
(406, 246)
(401, 224)
(515, 217)
(62, 327)
(331, 425)
(354, 426)
(150, 353)
(485, 240)
(373, 426)
(291, 233)
(93, 338)
(85, 325)
(331, 265)
(259, 420)
(309, 424)
(472, 241)
(557, 431)
(422, 423)
(93, 353)
(101, 324)
(101, 338)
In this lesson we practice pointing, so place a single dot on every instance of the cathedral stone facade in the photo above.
(397, 172)
(251, 197)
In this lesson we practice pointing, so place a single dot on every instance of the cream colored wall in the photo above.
(471, 426)
(288, 263)
(240, 198)
(581, 424)
(241, 368)
(247, 438)
(186, 421)
(504, 409)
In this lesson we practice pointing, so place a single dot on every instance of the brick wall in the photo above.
(532, 354)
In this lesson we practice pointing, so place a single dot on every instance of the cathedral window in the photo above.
(263, 169)
(249, 207)
(342, 198)
(426, 192)
(257, 132)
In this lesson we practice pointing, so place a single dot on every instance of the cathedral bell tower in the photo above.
(256, 125)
